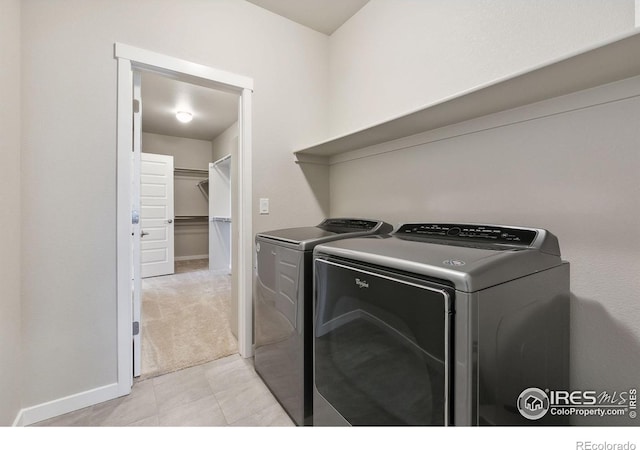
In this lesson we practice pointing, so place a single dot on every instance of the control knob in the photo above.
(453, 231)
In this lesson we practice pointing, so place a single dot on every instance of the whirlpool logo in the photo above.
(361, 283)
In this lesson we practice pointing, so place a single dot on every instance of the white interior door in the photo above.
(156, 215)
(220, 216)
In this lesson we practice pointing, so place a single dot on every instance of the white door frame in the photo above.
(136, 228)
(130, 59)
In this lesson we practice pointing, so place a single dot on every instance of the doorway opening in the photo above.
(130, 61)
(187, 316)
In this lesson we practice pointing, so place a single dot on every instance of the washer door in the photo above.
(381, 346)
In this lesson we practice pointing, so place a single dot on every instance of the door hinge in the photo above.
(136, 328)
(136, 106)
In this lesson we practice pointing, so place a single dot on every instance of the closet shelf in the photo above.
(191, 172)
(204, 188)
(604, 63)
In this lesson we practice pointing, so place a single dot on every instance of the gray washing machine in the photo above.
(282, 300)
(440, 324)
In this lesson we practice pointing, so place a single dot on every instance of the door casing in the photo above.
(129, 59)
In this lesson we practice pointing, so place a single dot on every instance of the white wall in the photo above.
(187, 153)
(394, 56)
(69, 155)
(10, 255)
(191, 238)
(574, 172)
(226, 143)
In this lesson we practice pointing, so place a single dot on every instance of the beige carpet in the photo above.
(185, 319)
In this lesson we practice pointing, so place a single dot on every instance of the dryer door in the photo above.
(381, 346)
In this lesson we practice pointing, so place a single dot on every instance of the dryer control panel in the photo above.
(354, 225)
(490, 234)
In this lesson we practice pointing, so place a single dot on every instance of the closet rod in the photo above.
(198, 172)
(192, 217)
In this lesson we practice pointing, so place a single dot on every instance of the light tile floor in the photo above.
(225, 392)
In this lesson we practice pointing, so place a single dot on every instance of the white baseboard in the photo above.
(188, 258)
(44, 411)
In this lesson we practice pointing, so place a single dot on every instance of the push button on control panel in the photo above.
(453, 231)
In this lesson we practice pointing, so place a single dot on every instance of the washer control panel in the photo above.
(491, 234)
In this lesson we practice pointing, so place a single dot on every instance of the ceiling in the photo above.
(325, 16)
(213, 111)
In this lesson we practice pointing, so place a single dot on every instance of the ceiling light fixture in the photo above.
(184, 116)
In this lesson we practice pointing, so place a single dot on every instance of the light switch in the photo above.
(264, 206)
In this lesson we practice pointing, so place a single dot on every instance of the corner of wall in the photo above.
(11, 308)
(19, 421)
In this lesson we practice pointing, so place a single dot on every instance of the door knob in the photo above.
(170, 221)
(143, 233)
